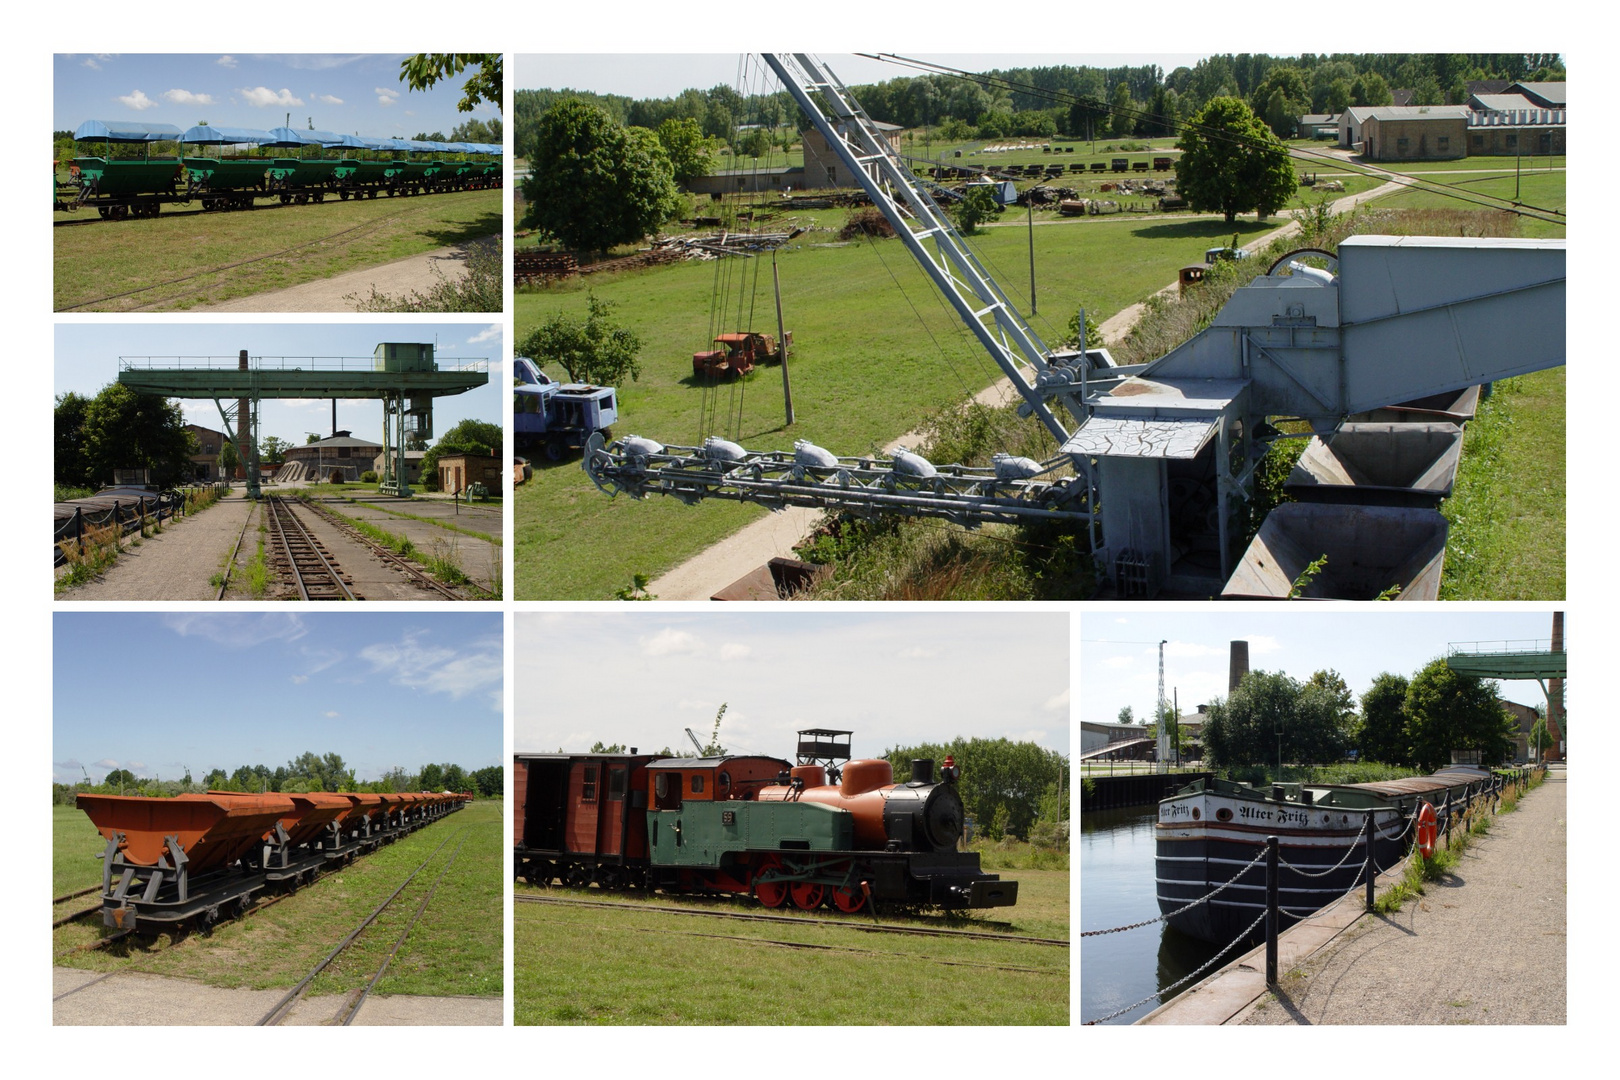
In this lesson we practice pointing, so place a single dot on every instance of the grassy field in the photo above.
(1511, 482)
(75, 843)
(590, 966)
(178, 261)
(1544, 190)
(455, 950)
(875, 351)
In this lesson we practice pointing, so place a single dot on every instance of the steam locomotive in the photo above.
(824, 831)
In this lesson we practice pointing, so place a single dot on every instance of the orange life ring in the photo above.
(1428, 830)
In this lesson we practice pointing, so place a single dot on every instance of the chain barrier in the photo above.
(1347, 853)
(1178, 911)
(1182, 981)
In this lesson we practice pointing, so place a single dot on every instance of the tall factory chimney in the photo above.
(1239, 665)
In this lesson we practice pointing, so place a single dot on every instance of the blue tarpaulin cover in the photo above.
(124, 131)
(207, 135)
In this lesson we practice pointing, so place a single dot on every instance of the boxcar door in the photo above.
(611, 822)
(584, 795)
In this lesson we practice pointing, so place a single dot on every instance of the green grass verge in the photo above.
(1507, 509)
(455, 950)
(590, 966)
(95, 263)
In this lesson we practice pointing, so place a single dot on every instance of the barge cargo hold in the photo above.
(1210, 832)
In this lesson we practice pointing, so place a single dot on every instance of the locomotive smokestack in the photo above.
(922, 770)
(1239, 665)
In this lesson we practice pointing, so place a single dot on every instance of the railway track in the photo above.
(352, 1003)
(417, 576)
(850, 924)
(299, 556)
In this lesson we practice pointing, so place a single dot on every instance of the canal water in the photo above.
(1116, 889)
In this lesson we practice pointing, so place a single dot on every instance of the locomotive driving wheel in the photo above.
(771, 894)
(808, 895)
(850, 900)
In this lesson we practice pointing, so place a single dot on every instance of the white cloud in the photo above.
(489, 333)
(385, 96)
(475, 666)
(299, 680)
(105, 763)
(668, 642)
(734, 651)
(237, 631)
(264, 97)
(917, 652)
(328, 99)
(138, 100)
(1261, 644)
(91, 63)
(1119, 661)
(1061, 701)
(186, 97)
(226, 61)
(330, 715)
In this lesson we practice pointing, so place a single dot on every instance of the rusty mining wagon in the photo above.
(738, 354)
(192, 860)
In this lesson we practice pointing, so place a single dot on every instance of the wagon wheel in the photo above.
(555, 450)
(771, 894)
(577, 877)
(808, 895)
(849, 901)
(610, 877)
(285, 198)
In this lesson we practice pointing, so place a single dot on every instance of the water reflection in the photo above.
(1116, 888)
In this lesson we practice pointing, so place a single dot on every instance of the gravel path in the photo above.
(418, 273)
(84, 997)
(176, 563)
(1486, 946)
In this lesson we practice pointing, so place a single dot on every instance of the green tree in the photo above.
(1282, 97)
(229, 459)
(490, 781)
(1370, 88)
(474, 130)
(215, 779)
(690, 152)
(978, 205)
(124, 429)
(1122, 111)
(1271, 718)
(431, 778)
(72, 467)
(1002, 782)
(1231, 162)
(323, 772)
(596, 183)
(1448, 711)
(455, 778)
(1540, 738)
(1383, 721)
(1127, 715)
(594, 349)
(273, 451)
(425, 69)
(120, 778)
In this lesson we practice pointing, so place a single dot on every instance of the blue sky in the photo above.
(659, 75)
(160, 693)
(87, 360)
(1119, 658)
(894, 678)
(354, 93)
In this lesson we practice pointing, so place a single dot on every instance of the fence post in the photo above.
(78, 528)
(1271, 910)
(1372, 867)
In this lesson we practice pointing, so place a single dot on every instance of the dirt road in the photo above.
(84, 997)
(418, 273)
